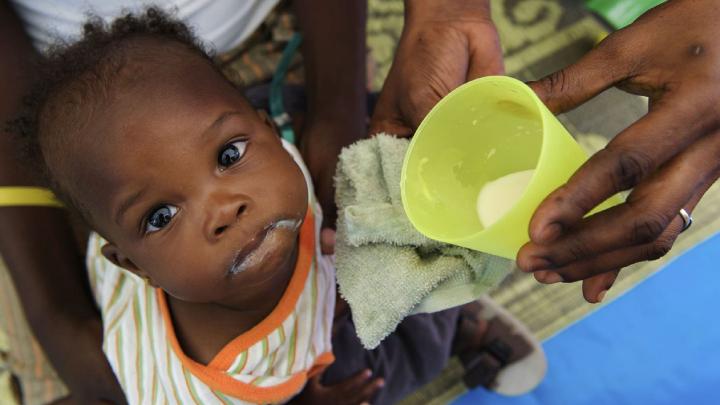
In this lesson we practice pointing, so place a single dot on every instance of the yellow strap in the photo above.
(27, 197)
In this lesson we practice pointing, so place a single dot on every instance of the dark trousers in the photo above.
(409, 358)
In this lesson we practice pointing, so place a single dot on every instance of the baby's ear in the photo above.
(112, 253)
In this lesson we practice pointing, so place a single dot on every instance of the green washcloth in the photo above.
(386, 270)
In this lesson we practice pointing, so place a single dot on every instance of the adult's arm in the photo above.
(40, 252)
(334, 55)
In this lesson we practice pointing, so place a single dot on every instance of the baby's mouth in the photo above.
(253, 252)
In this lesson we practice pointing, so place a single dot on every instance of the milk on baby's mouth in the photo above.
(498, 196)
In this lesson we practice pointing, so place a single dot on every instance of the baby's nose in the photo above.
(223, 216)
(221, 229)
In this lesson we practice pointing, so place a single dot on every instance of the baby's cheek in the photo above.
(297, 186)
(189, 280)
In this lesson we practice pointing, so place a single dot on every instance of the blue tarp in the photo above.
(658, 344)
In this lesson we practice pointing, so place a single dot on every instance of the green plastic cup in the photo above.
(481, 131)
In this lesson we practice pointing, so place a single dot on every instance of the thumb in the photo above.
(390, 126)
(598, 70)
(387, 117)
(483, 64)
(486, 56)
(327, 241)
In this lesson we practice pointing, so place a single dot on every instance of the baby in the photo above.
(225, 296)
(196, 195)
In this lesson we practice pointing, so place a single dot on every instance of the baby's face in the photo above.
(190, 185)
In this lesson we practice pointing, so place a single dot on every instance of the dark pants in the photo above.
(409, 358)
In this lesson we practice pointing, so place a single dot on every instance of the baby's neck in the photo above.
(203, 329)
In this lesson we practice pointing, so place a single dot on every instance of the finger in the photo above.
(595, 288)
(600, 233)
(618, 259)
(487, 67)
(584, 269)
(387, 118)
(366, 393)
(390, 126)
(329, 219)
(327, 241)
(639, 221)
(485, 55)
(356, 382)
(648, 211)
(595, 72)
(630, 158)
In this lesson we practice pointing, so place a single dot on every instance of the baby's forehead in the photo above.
(142, 73)
(170, 69)
(144, 116)
(155, 91)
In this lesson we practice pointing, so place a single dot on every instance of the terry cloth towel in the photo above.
(387, 270)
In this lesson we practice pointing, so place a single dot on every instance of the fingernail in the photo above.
(539, 263)
(601, 296)
(380, 383)
(549, 233)
(540, 275)
(552, 278)
(367, 373)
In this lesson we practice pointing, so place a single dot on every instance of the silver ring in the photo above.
(687, 220)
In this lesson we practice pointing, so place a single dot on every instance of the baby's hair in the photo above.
(73, 77)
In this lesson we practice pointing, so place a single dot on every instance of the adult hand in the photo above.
(443, 45)
(327, 241)
(670, 157)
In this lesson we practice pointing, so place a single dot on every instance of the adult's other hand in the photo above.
(670, 157)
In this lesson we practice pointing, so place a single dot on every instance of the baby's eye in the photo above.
(160, 217)
(231, 153)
